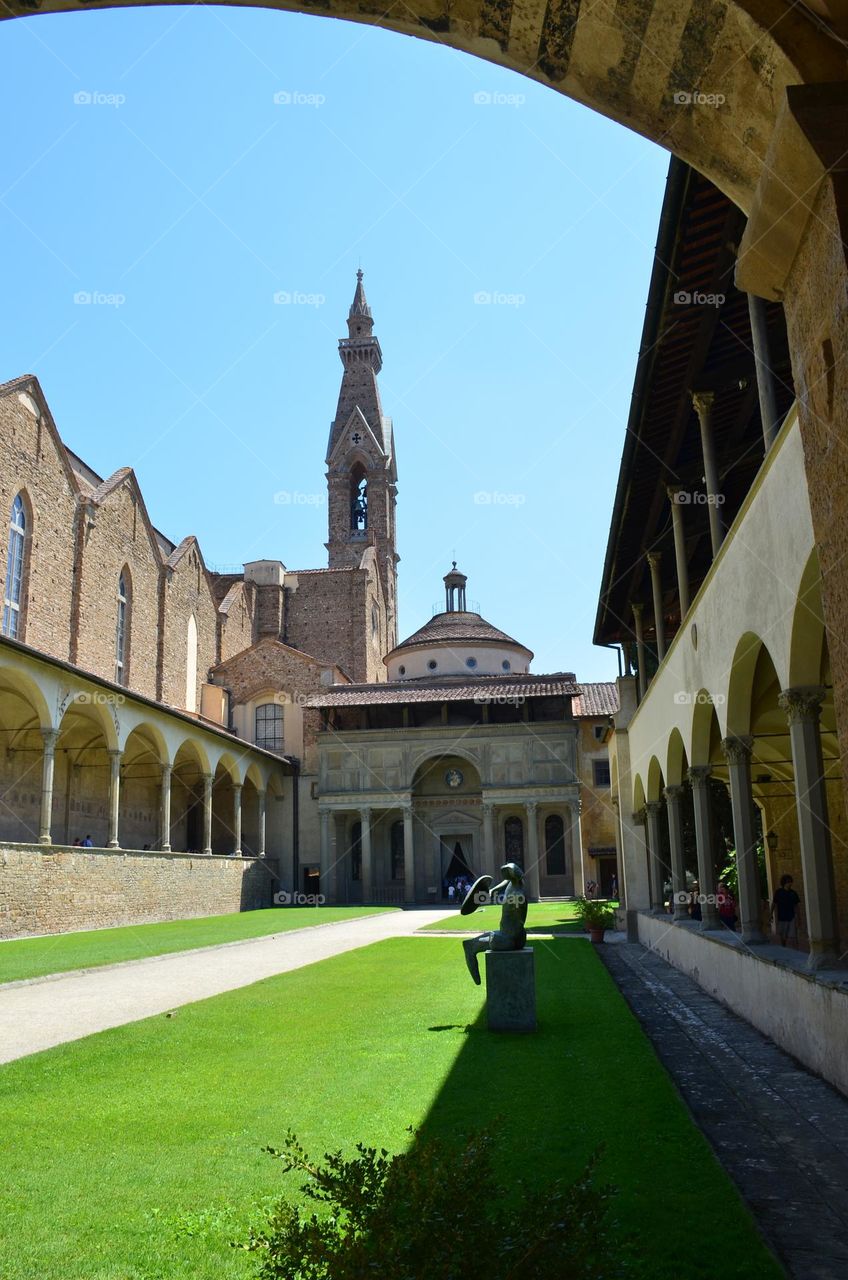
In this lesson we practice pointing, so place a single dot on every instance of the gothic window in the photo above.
(358, 499)
(15, 571)
(397, 851)
(375, 619)
(191, 665)
(122, 627)
(514, 839)
(554, 845)
(356, 851)
(269, 726)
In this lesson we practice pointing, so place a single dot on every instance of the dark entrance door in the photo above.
(311, 880)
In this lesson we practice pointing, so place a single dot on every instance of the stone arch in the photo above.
(705, 736)
(141, 787)
(676, 760)
(82, 774)
(639, 797)
(190, 765)
(603, 60)
(807, 642)
(23, 714)
(427, 756)
(741, 683)
(656, 781)
(226, 778)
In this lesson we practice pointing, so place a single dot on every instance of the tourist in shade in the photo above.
(726, 904)
(784, 907)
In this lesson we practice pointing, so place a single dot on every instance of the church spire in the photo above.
(360, 312)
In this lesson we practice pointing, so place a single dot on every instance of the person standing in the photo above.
(726, 904)
(784, 906)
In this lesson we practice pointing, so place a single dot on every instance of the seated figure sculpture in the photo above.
(511, 935)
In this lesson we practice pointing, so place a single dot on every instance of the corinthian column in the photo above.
(737, 752)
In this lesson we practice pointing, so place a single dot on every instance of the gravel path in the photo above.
(37, 1015)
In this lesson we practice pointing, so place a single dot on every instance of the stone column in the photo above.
(325, 817)
(737, 752)
(207, 813)
(638, 871)
(367, 866)
(48, 764)
(114, 797)
(237, 819)
(654, 560)
(165, 810)
(262, 798)
(699, 776)
(490, 858)
(703, 402)
(408, 854)
(640, 648)
(803, 709)
(679, 896)
(619, 859)
(765, 377)
(532, 861)
(680, 561)
(655, 860)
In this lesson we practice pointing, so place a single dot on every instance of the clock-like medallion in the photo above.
(454, 778)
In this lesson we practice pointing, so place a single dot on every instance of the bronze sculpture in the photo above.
(511, 935)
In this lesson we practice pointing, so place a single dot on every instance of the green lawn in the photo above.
(540, 915)
(32, 957)
(135, 1154)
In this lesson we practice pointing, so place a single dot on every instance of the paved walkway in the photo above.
(780, 1132)
(38, 1015)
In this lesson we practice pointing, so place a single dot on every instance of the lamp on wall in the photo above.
(771, 841)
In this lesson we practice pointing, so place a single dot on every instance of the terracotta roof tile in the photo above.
(457, 628)
(448, 689)
(596, 700)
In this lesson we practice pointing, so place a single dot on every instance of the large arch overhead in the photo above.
(643, 65)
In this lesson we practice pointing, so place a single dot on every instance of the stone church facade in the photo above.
(153, 706)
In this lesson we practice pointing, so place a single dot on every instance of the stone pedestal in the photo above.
(511, 990)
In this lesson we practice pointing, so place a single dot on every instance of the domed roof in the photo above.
(458, 628)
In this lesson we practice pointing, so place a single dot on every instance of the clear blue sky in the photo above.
(197, 198)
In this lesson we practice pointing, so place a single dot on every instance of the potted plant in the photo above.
(595, 917)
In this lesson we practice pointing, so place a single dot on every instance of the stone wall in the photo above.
(63, 889)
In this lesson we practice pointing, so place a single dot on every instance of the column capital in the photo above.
(737, 749)
(614, 801)
(672, 490)
(407, 809)
(531, 806)
(237, 786)
(49, 737)
(365, 813)
(653, 807)
(703, 402)
(699, 774)
(674, 792)
(208, 777)
(802, 704)
(167, 769)
(637, 606)
(638, 816)
(114, 751)
(488, 807)
(653, 558)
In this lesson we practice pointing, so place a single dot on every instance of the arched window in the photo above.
(514, 839)
(356, 851)
(554, 845)
(397, 851)
(15, 564)
(269, 726)
(191, 665)
(122, 627)
(358, 499)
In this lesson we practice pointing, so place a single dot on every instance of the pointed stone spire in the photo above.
(359, 308)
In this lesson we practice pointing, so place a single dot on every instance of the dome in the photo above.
(457, 642)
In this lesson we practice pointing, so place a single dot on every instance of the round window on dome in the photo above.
(432, 664)
(401, 671)
(471, 662)
(506, 664)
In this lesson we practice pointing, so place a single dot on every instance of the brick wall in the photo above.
(116, 538)
(187, 592)
(238, 613)
(66, 889)
(32, 463)
(329, 617)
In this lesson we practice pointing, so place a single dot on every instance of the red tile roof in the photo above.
(596, 700)
(449, 689)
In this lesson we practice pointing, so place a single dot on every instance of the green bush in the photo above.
(435, 1213)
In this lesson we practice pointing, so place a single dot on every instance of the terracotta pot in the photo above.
(596, 935)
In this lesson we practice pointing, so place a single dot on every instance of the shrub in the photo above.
(435, 1213)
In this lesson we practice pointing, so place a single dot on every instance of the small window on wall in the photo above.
(601, 773)
(269, 726)
(375, 620)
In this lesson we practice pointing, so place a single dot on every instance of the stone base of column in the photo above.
(166, 848)
(511, 990)
(824, 955)
(113, 844)
(45, 839)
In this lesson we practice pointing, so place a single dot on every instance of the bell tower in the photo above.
(361, 471)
